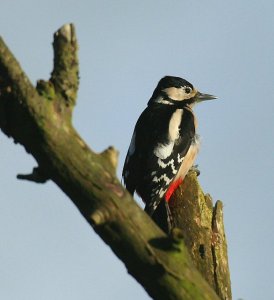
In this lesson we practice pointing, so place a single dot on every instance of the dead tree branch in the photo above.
(39, 118)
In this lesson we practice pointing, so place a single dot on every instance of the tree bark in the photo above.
(202, 229)
(40, 119)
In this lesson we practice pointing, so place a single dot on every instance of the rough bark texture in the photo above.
(40, 119)
(202, 229)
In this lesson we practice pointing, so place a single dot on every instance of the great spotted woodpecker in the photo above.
(163, 146)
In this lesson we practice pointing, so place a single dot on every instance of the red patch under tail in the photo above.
(174, 185)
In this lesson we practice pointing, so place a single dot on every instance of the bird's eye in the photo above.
(187, 90)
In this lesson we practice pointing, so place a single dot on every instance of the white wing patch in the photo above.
(164, 150)
(174, 123)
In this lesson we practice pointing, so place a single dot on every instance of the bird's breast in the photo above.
(189, 158)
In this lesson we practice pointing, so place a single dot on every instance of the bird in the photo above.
(163, 146)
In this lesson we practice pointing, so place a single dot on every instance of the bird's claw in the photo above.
(195, 169)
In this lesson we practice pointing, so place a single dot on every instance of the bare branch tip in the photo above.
(112, 155)
(37, 176)
(67, 31)
(218, 211)
(219, 205)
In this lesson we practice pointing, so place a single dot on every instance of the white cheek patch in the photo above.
(174, 93)
(179, 94)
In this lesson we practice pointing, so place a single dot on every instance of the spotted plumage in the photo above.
(163, 146)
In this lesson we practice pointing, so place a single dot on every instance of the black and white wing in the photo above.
(160, 142)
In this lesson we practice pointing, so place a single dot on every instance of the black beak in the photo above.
(203, 97)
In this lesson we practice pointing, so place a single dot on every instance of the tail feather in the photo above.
(162, 216)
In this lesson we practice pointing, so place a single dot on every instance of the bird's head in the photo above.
(177, 91)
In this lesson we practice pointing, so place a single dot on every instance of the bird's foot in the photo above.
(195, 169)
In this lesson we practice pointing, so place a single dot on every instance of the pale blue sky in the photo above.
(225, 48)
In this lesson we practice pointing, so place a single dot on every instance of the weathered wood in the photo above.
(40, 119)
(202, 229)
